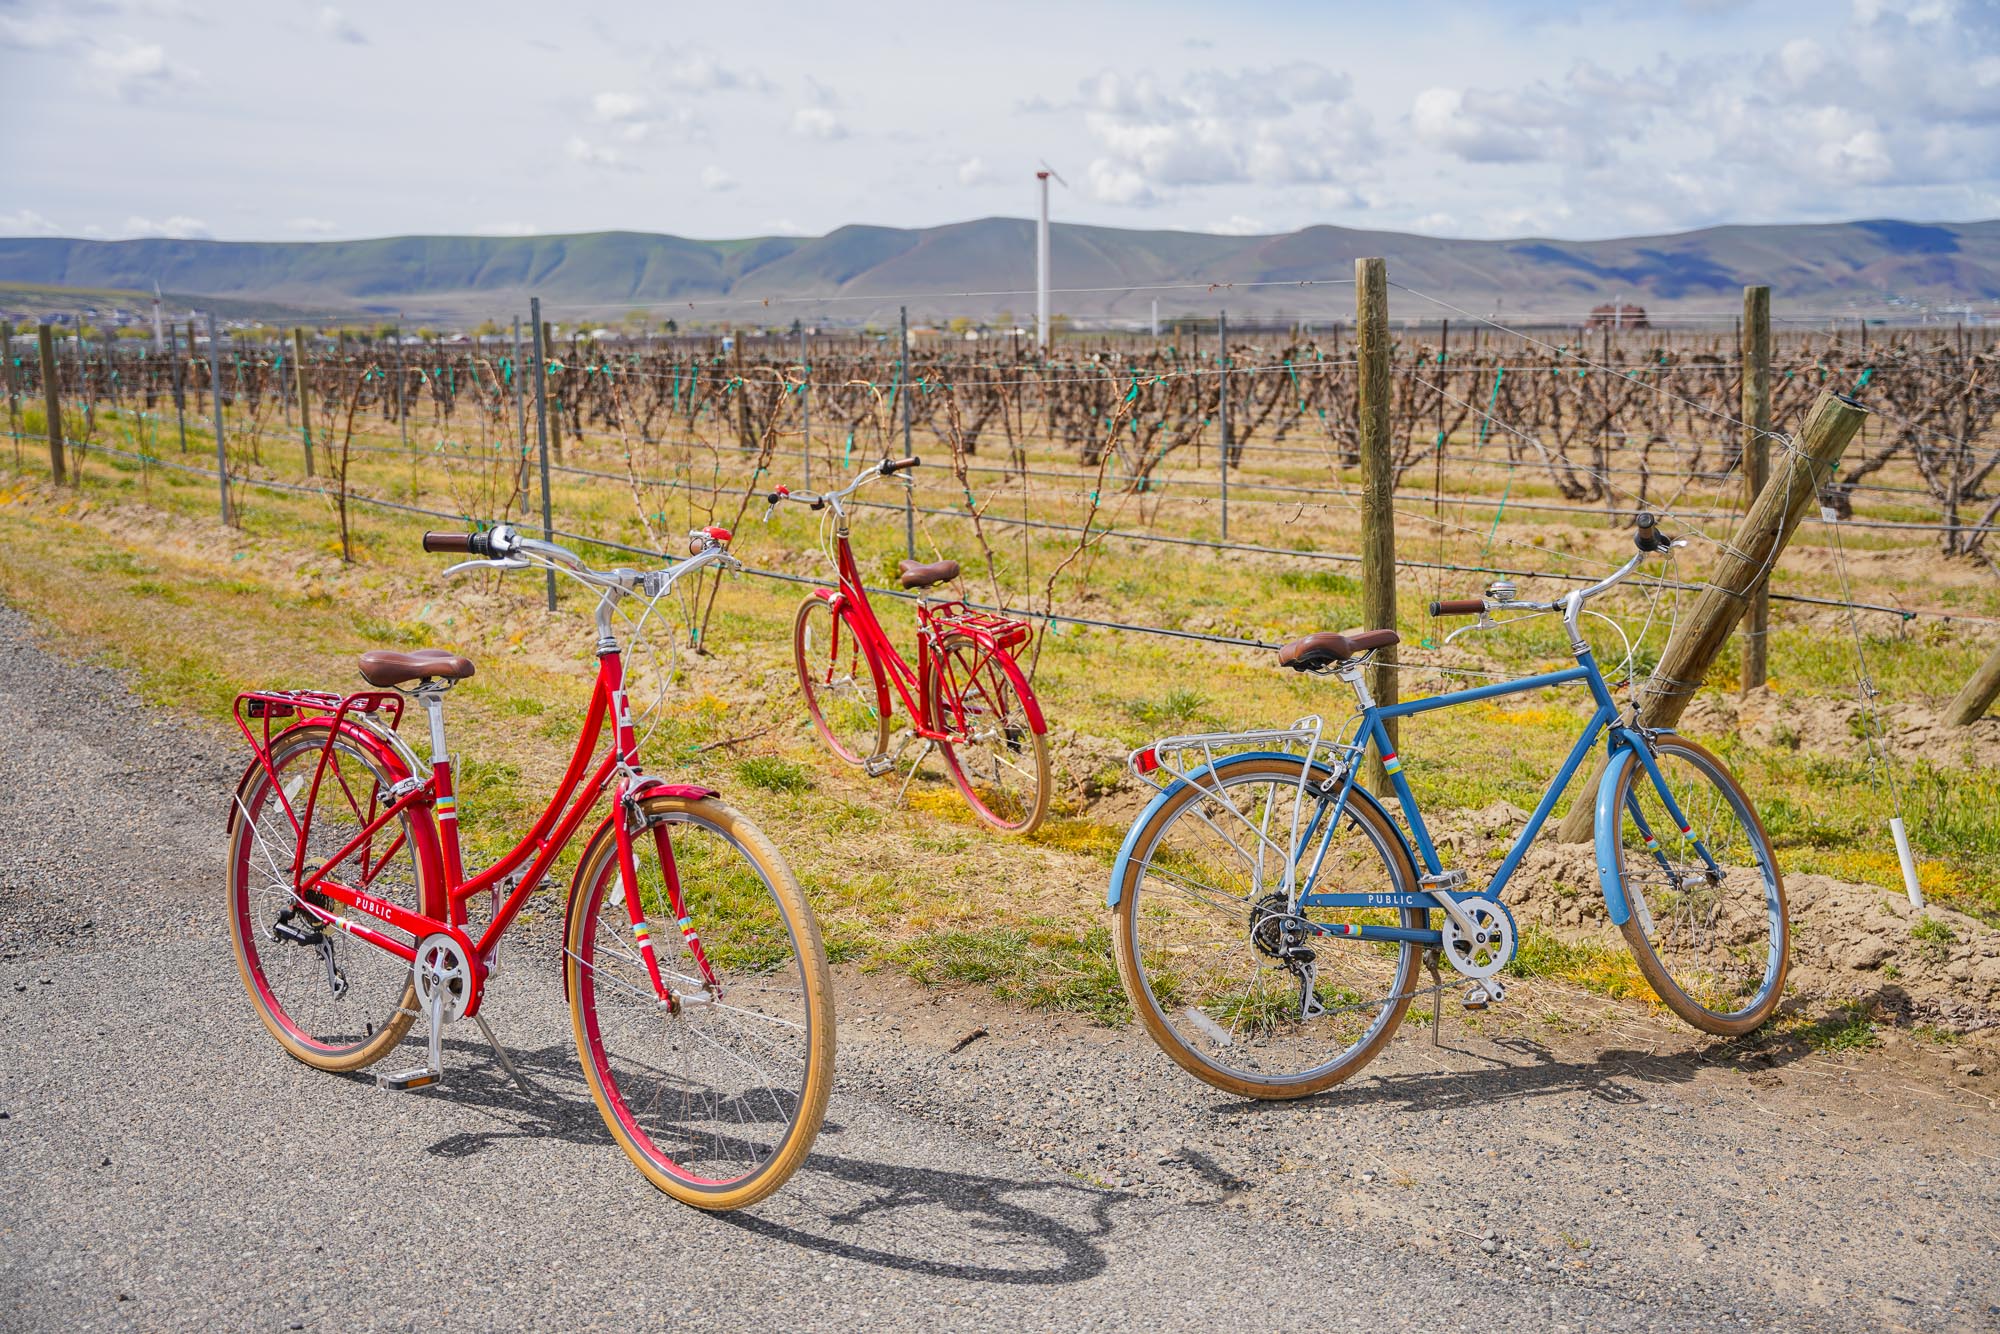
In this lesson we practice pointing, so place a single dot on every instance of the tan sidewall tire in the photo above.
(1663, 985)
(951, 766)
(818, 983)
(815, 708)
(1125, 949)
(399, 1021)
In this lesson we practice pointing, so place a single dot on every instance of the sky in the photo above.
(288, 121)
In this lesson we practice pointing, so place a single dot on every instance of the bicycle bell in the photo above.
(1502, 590)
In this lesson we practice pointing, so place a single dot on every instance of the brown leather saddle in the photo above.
(1328, 649)
(387, 667)
(916, 574)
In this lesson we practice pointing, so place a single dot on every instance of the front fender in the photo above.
(1607, 822)
(1130, 845)
(647, 787)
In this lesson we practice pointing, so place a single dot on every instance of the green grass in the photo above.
(1045, 964)
(774, 774)
(1849, 1027)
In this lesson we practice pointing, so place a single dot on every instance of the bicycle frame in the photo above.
(919, 686)
(434, 802)
(1339, 787)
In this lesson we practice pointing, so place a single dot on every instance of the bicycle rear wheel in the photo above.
(1708, 931)
(1201, 929)
(996, 758)
(719, 1102)
(842, 683)
(333, 1001)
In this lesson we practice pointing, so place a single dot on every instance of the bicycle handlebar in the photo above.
(459, 543)
(899, 465)
(1648, 536)
(816, 500)
(1458, 607)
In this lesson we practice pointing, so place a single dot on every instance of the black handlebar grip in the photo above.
(1648, 536)
(456, 543)
(899, 465)
(1458, 607)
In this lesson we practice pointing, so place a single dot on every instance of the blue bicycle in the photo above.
(1272, 917)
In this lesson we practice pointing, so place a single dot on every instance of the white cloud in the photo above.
(817, 123)
(780, 227)
(334, 24)
(180, 227)
(699, 72)
(618, 106)
(974, 171)
(311, 226)
(506, 229)
(1284, 125)
(715, 178)
(36, 32)
(26, 222)
(136, 70)
(1238, 225)
(581, 151)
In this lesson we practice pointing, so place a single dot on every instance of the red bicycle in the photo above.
(697, 983)
(967, 696)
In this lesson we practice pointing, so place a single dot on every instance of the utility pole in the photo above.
(1042, 267)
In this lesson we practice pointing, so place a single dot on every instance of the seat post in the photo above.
(432, 698)
(430, 694)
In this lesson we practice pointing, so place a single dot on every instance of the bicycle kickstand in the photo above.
(501, 1052)
(915, 765)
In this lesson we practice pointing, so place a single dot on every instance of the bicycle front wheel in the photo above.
(717, 1094)
(1708, 924)
(1243, 992)
(841, 681)
(996, 758)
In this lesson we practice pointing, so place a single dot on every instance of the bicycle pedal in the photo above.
(1442, 880)
(422, 1077)
(877, 765)
(1484, 996)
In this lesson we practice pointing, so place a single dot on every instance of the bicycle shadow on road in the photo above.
(1521, 1069)
(942, 1224)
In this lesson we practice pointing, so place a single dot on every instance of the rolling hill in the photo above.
(862, 272)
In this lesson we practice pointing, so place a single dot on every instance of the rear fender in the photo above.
(1220, 768)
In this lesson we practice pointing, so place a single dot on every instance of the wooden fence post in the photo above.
(1378, 515)
(215, 401)
(52, 399)
(305, 403)
(554, 419)
(1979, 693)
(1222, 410)
(1747, 559)
(13, 415)
(542, 426)
(1755, 351)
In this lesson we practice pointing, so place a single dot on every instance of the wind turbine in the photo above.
(1042, 256)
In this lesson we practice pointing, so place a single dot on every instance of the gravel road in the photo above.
(163, 1165)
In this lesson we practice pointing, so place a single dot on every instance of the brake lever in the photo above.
(511, 563)
(1485, 622)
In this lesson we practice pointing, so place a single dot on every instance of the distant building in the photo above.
(1617, 315)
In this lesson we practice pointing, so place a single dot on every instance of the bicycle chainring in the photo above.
(1490, 947)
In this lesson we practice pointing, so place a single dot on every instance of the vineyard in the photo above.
(1162, 511)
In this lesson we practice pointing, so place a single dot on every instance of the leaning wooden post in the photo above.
(1755, 350)
(1979, 693)
(1748, 558)
(305, 404)
(1378, 516)
(215, 401)
(52, 399)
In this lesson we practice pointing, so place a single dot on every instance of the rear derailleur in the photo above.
(302, 928)
(1282, 934)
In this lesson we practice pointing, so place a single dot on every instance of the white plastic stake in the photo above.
(1909, 862)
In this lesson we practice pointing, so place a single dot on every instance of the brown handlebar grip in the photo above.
(899, 465)
(1458, 607)
(453, 542)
